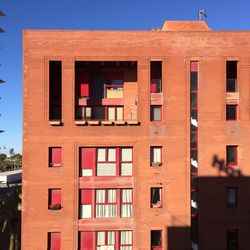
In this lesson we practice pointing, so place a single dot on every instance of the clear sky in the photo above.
(91, 14)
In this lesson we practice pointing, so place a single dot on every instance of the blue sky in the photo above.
(92, 14)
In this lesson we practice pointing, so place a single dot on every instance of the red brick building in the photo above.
(136, 139)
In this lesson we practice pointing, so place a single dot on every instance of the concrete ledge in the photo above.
(133, 123)
(55, 123)
(80, 123)
(120, 122)
(94, 123)
(107, 123)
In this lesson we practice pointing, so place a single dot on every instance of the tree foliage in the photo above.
(12, 162)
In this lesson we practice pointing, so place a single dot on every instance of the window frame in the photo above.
(156, 247)
(230, 230)
(51, 204)
(50, 158)
(235, 203)
(152, 107)
(235, 112)
(231, 163)
(159, 203)
(152, 162)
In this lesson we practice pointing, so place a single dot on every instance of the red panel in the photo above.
(55, 196)
(114, 75)
(194, 66)
(56, 156)
(87, 240)
(153, 87)
(84, 89)
(55, 241)
(88, 156)
(86, 196)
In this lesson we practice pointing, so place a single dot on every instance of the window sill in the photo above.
(155, 164)
(156, 205)
(106, 123)
(55, 123)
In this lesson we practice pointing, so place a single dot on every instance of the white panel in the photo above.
(87, 172)
(126, 169)
(88, 112)
(111, 154)
(106, 169)
(111, 114)
(101, 154)
(126, 154)
(119, 113)
(157, 154)
(85, 211)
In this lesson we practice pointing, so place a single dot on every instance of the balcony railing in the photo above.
(232, 85)
(113, 91)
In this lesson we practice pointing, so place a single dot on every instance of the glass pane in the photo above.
(111, 237)
(156, 154)
(119, 113)
(126, 238)
(100, 196)
(126, 169)
(106, 169)
(100, 238)
(101, 154)
(231, 112)
(111, 114)
(155, 113)
(194, 80)
(126, 154)
(111, 195)
(98, 113)
(126, 195)
(193, 100)
(111, 154)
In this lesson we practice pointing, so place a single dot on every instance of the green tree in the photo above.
(10, 218)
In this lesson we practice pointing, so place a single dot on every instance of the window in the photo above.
(155, 113)
(155, 156)
(55, 90)
(156, 197)
(126, 202)
(55, 199)
(55, 157)
(232, 239)
(155, 76)
(105, 238)
(106, 161)
(231, 112)
(115, 113)
(54, 241)
(86, 203)
(231, 76)
(126, 240)
(156, 240)
(106, 203)
(232, 196)
(232, 155)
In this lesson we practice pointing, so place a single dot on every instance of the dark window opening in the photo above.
(156, 197)
(55, 90)
(231, 112)
(232, 196)
(156, 240)
(232, 156)
(231, 76)
(156, 77)
(155, 113)
(232, 239)
(193, 140)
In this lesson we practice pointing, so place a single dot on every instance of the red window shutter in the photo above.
(86, 196)
(115, 75)
(84, 89)
(194, 66)
(55, 241)
(88, 158)
(153, 87)
(56, 156)
(55, 196)
(87, 240)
